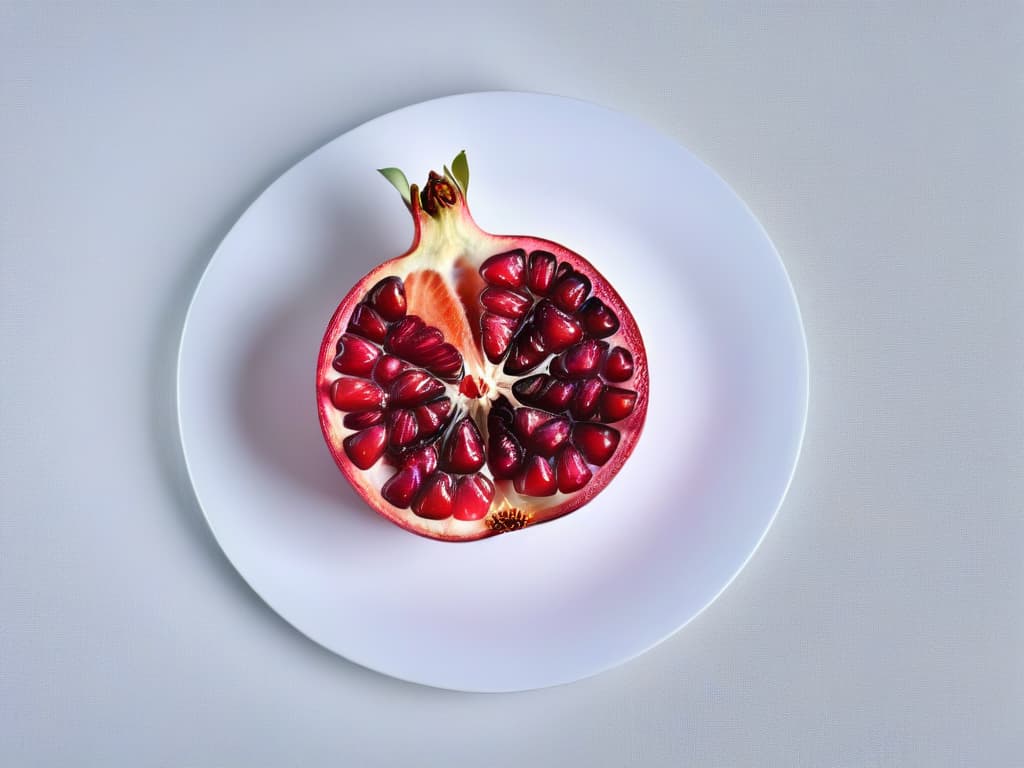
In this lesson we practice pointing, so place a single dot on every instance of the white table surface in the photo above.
(880, 623)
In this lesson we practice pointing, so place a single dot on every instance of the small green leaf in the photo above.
(460, 167)
(398, 181)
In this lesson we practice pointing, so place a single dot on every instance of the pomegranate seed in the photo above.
(440, 355)
(501, 413)
(526, 390)
(356, 356)
(398, 338)
(619, 365)
(527, 420)
(425, 341)
(356, 395)
(549, 436)
(588, 394)
(464, 451)
(504, 454)
(402, 487)
(388, 367)
(420, 347)
(431, 417)
(571, 470)
(616, 403)
(452, 372)
(403, 428)
(367, 323)
(444, 361)
(557, 396)
(541, 273)
(506, 303)
(580, 361)
(497, 335)
(557, 330)
(414, 387)
(364, 448)
(505, 269)
(388, 298)
(570, 291)
(527, 351)
(423, 345)
(536, 478)
(363, 420)
(473, 497)
(543, 391)
(565, 268)
(596, 442)
(435, 497)
(424, 459)
(598, 319)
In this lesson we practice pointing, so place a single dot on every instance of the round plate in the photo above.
(545, 605)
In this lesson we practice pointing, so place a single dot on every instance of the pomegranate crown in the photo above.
(439, 192)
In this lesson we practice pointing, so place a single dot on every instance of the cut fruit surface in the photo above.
(479, 383)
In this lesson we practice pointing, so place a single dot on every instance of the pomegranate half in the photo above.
(479, 383)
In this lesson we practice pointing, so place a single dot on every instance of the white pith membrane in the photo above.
(440, 278)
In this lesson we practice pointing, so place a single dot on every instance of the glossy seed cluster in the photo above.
(541, 324)
(535, 311)
(394, 397)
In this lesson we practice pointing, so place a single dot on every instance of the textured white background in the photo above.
(880, 624)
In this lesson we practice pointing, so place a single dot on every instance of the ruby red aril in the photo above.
(616, 404)
(537, 478)
(596, 441)
(388, 298)
(367, 323)
(434, 500)
(463, 453)
(587, 399)
(507, 269)
(556, 330)
(571, 470)
(356, 395)
(479, 383)
(363, 419)
(497, 332)
(542, 272)
(619, 365)
(580, 361)
(388, 367)
(402, 487)
(356, 356)
(598, 319)
(364, 448)
(473, 497)
(506, 302)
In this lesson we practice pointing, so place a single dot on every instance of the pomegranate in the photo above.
(479, 383)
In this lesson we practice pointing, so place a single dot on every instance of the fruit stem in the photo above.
(439, 210)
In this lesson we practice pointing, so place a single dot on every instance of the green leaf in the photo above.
(460, 167)
(398, 181)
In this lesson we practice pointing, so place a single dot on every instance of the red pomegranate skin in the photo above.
(479, 383)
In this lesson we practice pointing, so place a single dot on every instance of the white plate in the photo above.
(563, 600)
